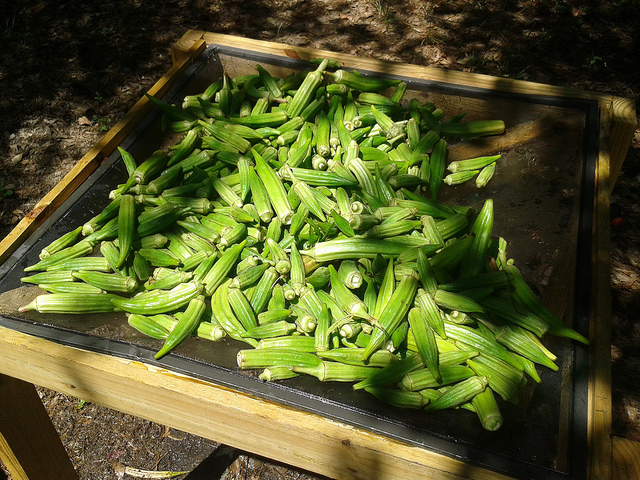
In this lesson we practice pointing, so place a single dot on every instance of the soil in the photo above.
(70, 70)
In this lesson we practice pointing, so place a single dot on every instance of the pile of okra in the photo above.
(300, 216)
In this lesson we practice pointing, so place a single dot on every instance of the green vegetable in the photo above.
(291, 217)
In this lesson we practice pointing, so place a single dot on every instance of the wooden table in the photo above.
(29, 445)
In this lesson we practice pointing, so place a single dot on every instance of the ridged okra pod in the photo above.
(392, 373)
(62, 242)
(151, 167)
(126, 227)
(270, 357)
(513, 339)
(336, 372)
(361, 82)
(344, 248)
(353, 356)
(242, 308)
(393, 313)
(269, 330)
(425, 341)
(158, 301)
(186, 325)
(222, 266)
(349, 301)
(459, 393)
(147, 326)
(475, 258)
(224, 316)
(423, 378)
(70, 287)
(71, 303)
(386, 289)
(274, 188)
(437, 163)
(306, 92)
(397, 398)
(500, 383)
(487, 409)
(473, 339)
(527, 301)
(98, 221)
(485, 175)
(80, 249)
(299, 343)
(56, 276)
(110, 282)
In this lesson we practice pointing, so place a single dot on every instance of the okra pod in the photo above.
(158, 301)
(458, 394)
(271, 357)
(336, 372)
(147, 326)
(393, 313)
(425, 341)
(110, 282)
(187, 324)
(71, 303)
(62, 242)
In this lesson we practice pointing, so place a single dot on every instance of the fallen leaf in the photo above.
(83, 120)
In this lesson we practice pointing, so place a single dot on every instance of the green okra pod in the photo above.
(459, 393)
(158, 301)
(187, 325)
(425, 341)
(393, 313)
(80, 249)
(64, 241)
(327, 371)
(270, 357)
(72, 303)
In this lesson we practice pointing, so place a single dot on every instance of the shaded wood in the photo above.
(623, 125)
(30, 447)
(599, 397)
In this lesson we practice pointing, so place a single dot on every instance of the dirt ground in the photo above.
(70, 70)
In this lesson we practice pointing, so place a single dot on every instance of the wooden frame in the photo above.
(331, 448)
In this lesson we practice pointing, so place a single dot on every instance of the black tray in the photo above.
(542, 192)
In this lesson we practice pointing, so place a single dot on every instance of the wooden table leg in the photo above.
(30, 447)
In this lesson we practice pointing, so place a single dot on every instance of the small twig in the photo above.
(122, 470)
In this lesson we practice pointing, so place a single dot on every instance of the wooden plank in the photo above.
(599, 397)
(626, 459)
(623, 125)
(30, 447)
(94, 157)
(305, 440)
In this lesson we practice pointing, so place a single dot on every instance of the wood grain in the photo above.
(599, 409)
(30, 447)
(626, 459)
